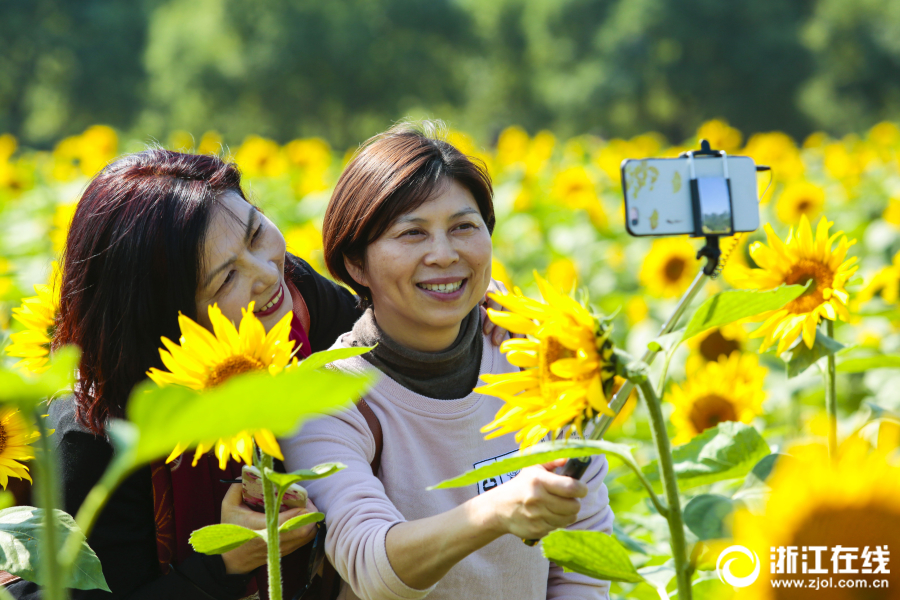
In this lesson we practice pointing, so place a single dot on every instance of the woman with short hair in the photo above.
(408, 228)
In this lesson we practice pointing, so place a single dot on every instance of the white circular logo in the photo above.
(724, 572)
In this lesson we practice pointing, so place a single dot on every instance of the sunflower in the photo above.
(567, 361)
(715, 343)
(800, 198)
(38, 315)
(851, 503)
(15, 439)
(206, 359)
(799, 259)
(669, 267)
(885, 283)
(729, 389)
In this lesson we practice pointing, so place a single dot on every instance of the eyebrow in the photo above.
(409, 219)
(248, 231)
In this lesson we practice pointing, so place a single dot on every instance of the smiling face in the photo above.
(428, 270)
(243, 260)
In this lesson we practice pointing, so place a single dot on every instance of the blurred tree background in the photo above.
(345, 69)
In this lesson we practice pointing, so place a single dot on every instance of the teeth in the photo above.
(444, 288)
(273, 302)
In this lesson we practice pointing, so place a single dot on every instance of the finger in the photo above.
(290, 514)
(234, 496)
(562, 508)
(554, 464)
(498, 336)
(310, 507)
(564, 487)
(488, 324)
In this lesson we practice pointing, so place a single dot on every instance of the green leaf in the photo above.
(659, 577)
(320, 359)
(218, 539)
(283, 480)
(705, 516)
(300, 521)
(27, 391)
(726, 451)
(879, 412)
(798, 357)
(728, 307)
(591, 553)
(626, 540)
(171, 415)
(666, 342)
(709, 589)
(536, 455)
(21, 528)
(860, 365)
(7, 499)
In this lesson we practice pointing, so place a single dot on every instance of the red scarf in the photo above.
(186, 498)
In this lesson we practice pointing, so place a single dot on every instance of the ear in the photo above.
(356, 272)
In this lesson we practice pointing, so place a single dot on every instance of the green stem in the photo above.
(274, 561)
(47, 494)
(831, 396)
(670, 488)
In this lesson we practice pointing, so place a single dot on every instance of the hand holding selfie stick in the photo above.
(709, 204)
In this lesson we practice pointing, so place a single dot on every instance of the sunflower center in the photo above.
(551, 351)
(674, 268)
(873, 524)
(804, 205)
(231, 366)
(4, 437)
(800, 274)
(715, 345)
(710, 410)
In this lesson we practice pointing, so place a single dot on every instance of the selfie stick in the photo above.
(575, 467)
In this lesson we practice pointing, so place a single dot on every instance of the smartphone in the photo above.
(251, 484)
(659, 200)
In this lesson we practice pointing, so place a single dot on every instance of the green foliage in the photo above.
(301, 520)
(591, 553)
(728, 307)
(861, 365)
(726, 451)
(20, 534)
(26, 391)
(320, 359)
(283, 480)
(168, 416)
(798, 358)
(217, 539)
(536, 455)
(705, 515)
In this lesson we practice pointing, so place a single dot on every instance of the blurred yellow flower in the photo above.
(62, 218)
(796, 261)
(729, 389)
(778, 151)
(885, 283)
(892, 212)
(512, 146)
(6, 282)
(15, 445)
(260, 157)
(851, 503)
(567, 361)
(305, 241)
(210, 143)
(669, 267)
(563, 274)
(721, 136)
(627, 409)
(499, 272)
(885, 134)
(8, 145)
(800, 198)
(205, 359)
(99, 145)
(38, 315)
(539, 152)
(719, 342)
(181, 141)
(636, 310)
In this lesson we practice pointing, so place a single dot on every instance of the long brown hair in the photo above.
(131, 263)
(392, 174)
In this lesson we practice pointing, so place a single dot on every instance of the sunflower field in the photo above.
(783, 423)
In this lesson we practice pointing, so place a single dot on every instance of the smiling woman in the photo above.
(409, 228)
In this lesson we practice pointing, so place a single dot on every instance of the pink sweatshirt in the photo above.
(427, 441)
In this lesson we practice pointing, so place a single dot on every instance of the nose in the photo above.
(442, 253)
(267, 272)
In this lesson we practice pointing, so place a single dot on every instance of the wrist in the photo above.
(483, 514)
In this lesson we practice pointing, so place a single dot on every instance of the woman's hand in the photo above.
(498, 332)
(253, 554)
(536, 502)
